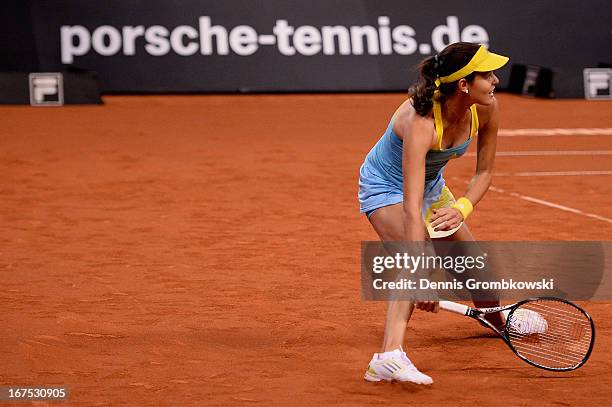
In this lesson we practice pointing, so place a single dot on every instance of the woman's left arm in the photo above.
(488, 118)
(487, 145)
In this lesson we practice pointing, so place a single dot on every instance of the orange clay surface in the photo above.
(204, 250)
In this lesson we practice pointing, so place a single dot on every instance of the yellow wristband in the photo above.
(464, 206)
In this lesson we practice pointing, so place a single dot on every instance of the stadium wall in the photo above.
(139, 46)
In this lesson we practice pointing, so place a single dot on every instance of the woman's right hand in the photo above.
(429, 306)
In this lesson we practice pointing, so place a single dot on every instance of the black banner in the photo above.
(319, 45)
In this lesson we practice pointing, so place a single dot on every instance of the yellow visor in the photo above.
(482, 61)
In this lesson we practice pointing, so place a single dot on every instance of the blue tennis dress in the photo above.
(381, 179)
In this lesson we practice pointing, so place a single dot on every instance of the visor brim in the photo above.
(491, 63)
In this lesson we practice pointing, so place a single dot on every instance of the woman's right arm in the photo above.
(417, 135)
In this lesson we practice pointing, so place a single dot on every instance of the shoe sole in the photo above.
(371, 378)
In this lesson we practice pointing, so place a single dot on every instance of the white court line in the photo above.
(551, 173)
(552, 205)
(546, 153)
(555, 132)
(549, 204)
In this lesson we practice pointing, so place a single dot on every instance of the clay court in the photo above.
(204, 250)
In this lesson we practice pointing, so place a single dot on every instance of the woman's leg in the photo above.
(393, 363)
(388, 222)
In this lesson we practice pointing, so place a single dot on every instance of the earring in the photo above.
(466, 91)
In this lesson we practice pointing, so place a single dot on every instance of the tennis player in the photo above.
(401, 187)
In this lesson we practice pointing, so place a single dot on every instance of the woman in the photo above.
(401, 188)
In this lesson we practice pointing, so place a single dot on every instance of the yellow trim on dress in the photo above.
(437, 110)
(475, 123)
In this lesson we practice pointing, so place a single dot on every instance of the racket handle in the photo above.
(454, 307)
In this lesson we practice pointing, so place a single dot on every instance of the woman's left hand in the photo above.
(446, 219)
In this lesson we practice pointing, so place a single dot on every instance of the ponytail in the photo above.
(422, 92)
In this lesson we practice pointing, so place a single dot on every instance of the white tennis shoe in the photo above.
(394, 365)
(526, 322)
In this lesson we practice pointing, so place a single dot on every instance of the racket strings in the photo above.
(556, 358)
(546, 331)
(566, 355)
(551, 333)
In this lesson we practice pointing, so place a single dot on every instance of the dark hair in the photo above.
(449, 60)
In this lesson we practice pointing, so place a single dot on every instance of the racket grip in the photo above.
(454, 307)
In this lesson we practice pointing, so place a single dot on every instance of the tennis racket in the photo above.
(546, 332)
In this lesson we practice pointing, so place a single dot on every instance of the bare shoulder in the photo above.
(487, 112)
(408, 121)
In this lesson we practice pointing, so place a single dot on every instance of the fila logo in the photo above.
(46, 89)
(597, 83)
